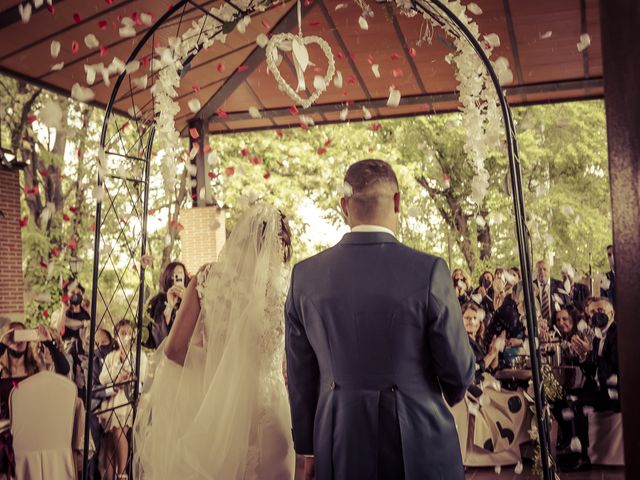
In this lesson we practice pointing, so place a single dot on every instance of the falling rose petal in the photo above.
(221, 113)
(319, 83)
(279, 133)
(103, 24)
(394, 98)
(255, 160)
(364, 25)
(51, 114)
(376, 127)
(293, 110)
(52, 9)
(345, 190)
(76, 18)
(57, 67)
(262, 40)
(82, 94)
(493, 39)
(412, 52)
(220, 67)
(91, 41)
(265, 24)
(321, 151)
(98, 193)
(585, 41)
(351, 79)
(194, 105)
(397, 73)
(344, 113)
(576, 445)
(243, 68)
(395, 56)
(229, 171)
(244, 152)
(266, 175)
(341, 55)
(474, 8)
(140, 82)
(337, 80)
(193, 132)
(127, 32)
(25, 12)
(375, 68)
(340, 6)
(132, 67)
(546, 35)
(480, 221)
(497, 469)
(55, 49)
(146, 19)
(366, 113)
(254, 112)
(75, 46)
(24, 221)
(104, 50)
(314, 24)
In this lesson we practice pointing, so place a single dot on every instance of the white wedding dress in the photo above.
(224, 415)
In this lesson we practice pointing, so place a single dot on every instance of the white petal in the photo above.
(474, 8)
(82, 94)
(366, 113)
(337, 79)
(50, 114)
(319, 83)
(98, 193)
(25, 12)
(518, 468)
(545, 35)
(146, 19)
(567, 414)
(576, 445)
(213, 159)
(394, 98)
(140, 82)
(262, 40)
(493, 39)
(254, 112)
(375, 68)
(38, 3)
(364, 25)
(127, 32)
(55, 49)
(91, 41)
(91, 74)
(134, 112)
(57, 67)
(132, 67)
(344, 113)
(585, 41)
(480, 221)
(340, 6)
(497, 469)
(194, 105)
(413, 211)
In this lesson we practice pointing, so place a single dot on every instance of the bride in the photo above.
(216, 405)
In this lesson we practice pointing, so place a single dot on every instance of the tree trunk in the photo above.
(174, 217)
(484, 236)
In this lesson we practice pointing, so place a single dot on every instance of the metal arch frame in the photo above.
(518, 205)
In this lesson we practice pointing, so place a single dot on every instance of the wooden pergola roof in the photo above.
(233, 76)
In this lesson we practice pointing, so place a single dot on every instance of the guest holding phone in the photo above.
(163, 307)
(76, 317)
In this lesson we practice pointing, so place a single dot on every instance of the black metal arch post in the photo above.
(140, 184)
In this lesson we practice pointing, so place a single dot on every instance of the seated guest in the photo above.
(163, 307)
(486, 358)
(599, 361)
(483, 295)
(569, 323)
(577, 292)
(461, 285)
(118, 373)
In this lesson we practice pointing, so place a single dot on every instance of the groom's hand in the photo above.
(309, 468)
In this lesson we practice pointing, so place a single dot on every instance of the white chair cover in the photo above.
(42, 420)
(605, 439)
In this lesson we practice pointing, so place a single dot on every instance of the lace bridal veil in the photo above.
(224, 414)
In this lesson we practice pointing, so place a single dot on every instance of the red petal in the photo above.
(24, 221)
(194, 133)
(221, 113)
(245, 152)
(397, 72)
(293, 110)
(266, 175)
(328, 143)
(279, 133)
(321, 151)
(412, 52)
(75, 46)
(207, 148)
(341, 55)
(52, 9)
(351, 79)
(65, 217)
(102, 24)
(229, 171)
(395, 56)
(45, 313)
(314, 24)
(104, 50)
(31, 119)
(266, 25)
(76, 18)
(195, 88)
(212, 175)
(55, 252)
(243, 68)
(220, 67)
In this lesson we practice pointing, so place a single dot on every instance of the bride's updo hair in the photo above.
(284, 234)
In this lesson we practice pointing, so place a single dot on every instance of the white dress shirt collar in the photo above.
(372, 228)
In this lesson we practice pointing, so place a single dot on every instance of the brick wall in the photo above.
(203, 236)
(11, 279)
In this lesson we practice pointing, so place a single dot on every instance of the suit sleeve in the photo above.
(303, 375)
(451, 354)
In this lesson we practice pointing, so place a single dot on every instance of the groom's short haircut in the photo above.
(370, 181)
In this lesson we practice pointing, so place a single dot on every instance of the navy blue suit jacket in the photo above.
(368, 319)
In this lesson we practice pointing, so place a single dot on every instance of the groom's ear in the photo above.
(396, 202)
(344, 204)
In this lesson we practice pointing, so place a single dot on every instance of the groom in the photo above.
(374, 341)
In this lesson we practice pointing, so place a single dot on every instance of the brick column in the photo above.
(11, 278)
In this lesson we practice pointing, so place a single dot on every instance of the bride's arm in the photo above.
(184, 324)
